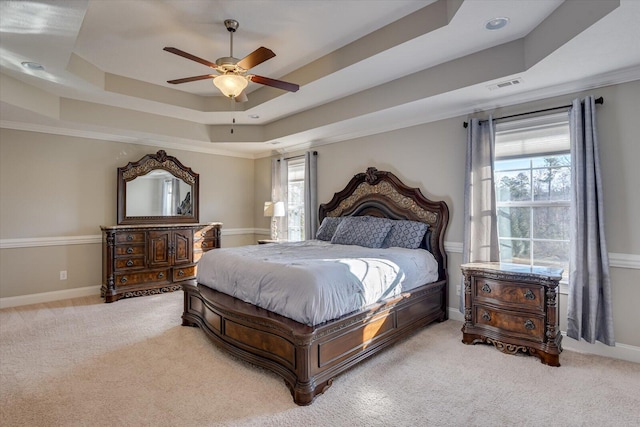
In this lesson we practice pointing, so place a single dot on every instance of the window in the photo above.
(295, 202)
(533, 191)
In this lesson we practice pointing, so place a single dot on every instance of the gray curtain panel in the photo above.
(279, 193)
(310, 194)
(589, 306)
(480, 242)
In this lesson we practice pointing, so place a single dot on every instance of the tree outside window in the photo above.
(533, 192)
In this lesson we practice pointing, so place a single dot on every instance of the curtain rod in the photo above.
(315, 153)
(597, 101)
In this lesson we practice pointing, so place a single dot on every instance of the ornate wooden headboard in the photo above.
(382, 194)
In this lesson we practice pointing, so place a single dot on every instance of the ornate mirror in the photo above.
(157, 189)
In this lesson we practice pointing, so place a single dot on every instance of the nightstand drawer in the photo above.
(527, 296)
(518, 324)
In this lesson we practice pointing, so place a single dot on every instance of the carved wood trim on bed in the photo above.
(382, 194)
(309, 357)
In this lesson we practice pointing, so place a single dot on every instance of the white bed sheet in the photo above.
(314, 281)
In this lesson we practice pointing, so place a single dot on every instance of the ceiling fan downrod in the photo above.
(232, 25)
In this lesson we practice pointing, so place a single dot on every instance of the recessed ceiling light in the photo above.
(496, 23)
(32, 66)
(254, 116)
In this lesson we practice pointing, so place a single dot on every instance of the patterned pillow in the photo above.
(366, 231)
(405, 234)
(328, 228)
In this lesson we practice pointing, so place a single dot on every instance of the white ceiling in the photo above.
(364, 66)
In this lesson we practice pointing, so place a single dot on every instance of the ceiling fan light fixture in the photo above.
(231, 85)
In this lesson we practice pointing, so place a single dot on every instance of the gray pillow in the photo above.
(405, 234)
(328, 228)
(365, 231)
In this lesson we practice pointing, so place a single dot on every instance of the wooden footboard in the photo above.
(309, 358)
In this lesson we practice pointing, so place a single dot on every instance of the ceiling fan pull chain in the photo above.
(233, 108)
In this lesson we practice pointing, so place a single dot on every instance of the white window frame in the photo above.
(519, 150)
(295, 231)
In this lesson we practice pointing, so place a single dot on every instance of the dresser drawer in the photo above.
(207, 233)
(129, 262)
(157, 276)
(129, 250)
(527, 296)
(133, 237)
(518, 324)
(205, 244)
(184, 273)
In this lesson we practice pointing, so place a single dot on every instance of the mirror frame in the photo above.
(148, 163)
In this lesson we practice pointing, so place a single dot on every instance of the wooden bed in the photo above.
(310, 357)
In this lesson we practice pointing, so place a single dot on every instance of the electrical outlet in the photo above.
(63, 275)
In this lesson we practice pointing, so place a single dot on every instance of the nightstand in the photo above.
(513, 307)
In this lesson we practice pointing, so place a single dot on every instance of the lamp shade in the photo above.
(278, 209)
(268, 208)
(231, 85)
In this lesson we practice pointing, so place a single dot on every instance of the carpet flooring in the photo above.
(81, 362)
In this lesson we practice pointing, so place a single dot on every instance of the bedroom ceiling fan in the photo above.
(233, 78)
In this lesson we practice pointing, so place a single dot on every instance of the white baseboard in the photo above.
(49, 296)
(620, 351)
(626, 352)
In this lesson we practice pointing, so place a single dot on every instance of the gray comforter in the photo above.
(314, 281)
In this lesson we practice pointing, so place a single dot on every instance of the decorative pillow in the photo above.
(328, 228)
(405, 234)
(366, 231)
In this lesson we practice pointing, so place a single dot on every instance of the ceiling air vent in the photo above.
(506, 83)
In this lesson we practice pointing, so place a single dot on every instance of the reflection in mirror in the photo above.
(157, 189)
(158, 193)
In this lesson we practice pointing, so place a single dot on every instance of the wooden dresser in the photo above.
(514, 308)
(142, 260)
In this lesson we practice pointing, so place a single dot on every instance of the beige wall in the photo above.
(63, 186)
(432, 157)
(58, 186)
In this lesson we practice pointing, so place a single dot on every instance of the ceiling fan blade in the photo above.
(192, 79)
(242, 97)
(291, 87)
(256, 57)
(191, 57)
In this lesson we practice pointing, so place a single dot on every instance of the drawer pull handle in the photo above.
(529, 295)
(529, 325)
(129, 238)
(486, 288)
(160, 275)
(180, 273)
(123, 279)
(129, 263)
(129, 250)
(203, 234)
(204, 244)
(486, 316)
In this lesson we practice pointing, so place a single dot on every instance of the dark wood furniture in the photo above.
(267, 241)
(142, 260)
(310, 357)
(514, 308)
